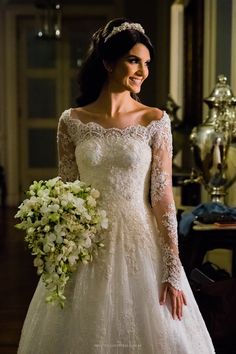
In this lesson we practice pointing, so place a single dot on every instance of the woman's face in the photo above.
(129, 72)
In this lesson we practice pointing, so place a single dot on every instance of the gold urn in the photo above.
(211, 140)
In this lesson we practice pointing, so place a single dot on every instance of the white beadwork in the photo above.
(123, 27)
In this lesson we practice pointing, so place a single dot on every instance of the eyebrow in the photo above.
(136, 57)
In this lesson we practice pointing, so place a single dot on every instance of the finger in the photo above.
(184, 299)
(173, 305)
(163, 295)
(179, 307)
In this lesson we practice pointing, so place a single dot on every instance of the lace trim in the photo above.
(86, 130)
(171, 266)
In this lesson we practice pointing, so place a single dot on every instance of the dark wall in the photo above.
(193, 62)
(224, 38)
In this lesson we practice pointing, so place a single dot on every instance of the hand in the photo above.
(177, 299)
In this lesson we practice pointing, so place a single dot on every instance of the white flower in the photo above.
(104, 219)
(75, 188)
(46, 248)
(91, 201)
(72, 259)
(46, 228)
(95, 193)
(104, 223)
(43, 193)
(38, 262)
(44, 219)
(88, 243)
(51, 182)
(30, 230)
(63, 227)
(79, 204)
(53, 208)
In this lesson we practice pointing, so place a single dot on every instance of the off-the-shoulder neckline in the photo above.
(92, 123)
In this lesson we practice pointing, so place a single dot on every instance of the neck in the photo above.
(113, 103)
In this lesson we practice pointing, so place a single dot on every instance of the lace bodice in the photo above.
(132, 168)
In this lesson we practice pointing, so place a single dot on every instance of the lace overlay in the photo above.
(163, 205)
(112, 303)
(66, 150)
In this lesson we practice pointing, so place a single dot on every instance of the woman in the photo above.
(132, 298)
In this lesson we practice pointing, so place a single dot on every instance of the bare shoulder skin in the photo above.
(148, 114)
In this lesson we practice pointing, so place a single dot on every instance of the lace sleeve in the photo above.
(68, 169)
(163, 202)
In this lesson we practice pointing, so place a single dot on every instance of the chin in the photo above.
(136, 90)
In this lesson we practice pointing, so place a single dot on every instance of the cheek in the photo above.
(126, 71)
(146, 74)
(121, 74)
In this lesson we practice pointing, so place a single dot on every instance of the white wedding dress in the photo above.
(112, 304)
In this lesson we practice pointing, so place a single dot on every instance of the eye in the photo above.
(133, 60)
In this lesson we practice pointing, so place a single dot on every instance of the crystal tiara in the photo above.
(123, 27)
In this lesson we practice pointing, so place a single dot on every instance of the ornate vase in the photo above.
(211, 140)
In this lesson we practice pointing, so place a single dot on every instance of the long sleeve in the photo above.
(162, 202)
(68, 169)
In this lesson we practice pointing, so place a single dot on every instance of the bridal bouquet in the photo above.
(62, 224)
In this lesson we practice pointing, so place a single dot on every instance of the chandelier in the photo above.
(48, 18)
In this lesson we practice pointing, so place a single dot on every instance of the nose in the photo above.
(142, 69)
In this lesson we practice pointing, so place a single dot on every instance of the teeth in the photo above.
(137, 81)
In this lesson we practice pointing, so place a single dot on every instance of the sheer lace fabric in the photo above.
(68, 169)
(163, 204)
(112, 304)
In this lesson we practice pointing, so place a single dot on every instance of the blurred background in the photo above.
(42, 45)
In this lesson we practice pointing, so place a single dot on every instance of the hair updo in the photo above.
(93, 75)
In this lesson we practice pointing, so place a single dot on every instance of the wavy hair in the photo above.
(93, 75)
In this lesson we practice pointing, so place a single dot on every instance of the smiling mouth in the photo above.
(136, 81)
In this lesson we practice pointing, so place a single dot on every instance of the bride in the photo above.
(134, 297)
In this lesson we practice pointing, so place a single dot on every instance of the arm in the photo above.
(68, 169)
(163, 205)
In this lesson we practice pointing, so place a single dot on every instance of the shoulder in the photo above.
(159, 126)
(154, 116)
(153, 113)
(65, 115)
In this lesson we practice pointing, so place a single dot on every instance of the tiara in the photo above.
(125, 26)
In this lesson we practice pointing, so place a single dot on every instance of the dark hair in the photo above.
(93, 74)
